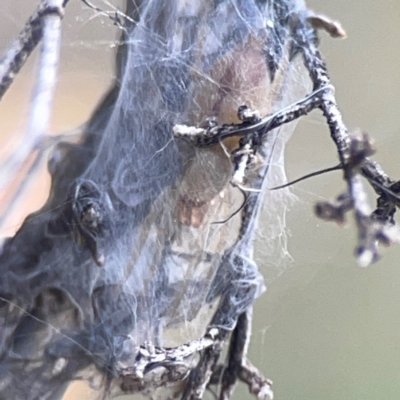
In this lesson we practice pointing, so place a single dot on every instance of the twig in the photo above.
(238, 367)
(240, 284)
(28, 39)
(201, 375)
(148, 358)
(45, 24)
(387, 189)
(258, 385)
(205, 137)
(352, 153)
(320, 21)
(20, 50)
(115, 18)
(236, 354)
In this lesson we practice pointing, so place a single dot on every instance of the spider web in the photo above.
(158, 200)
(177, 66)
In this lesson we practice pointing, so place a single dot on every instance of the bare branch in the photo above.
(46, 25)
(201, 375)
(261, 126)
(114, 15)
(176, 361)
(28, 39)
(352, 153)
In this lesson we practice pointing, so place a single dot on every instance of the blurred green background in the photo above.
(325, 329)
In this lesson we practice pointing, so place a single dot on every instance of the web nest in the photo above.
(140, 267)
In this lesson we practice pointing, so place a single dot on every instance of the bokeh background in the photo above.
(325, 329)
